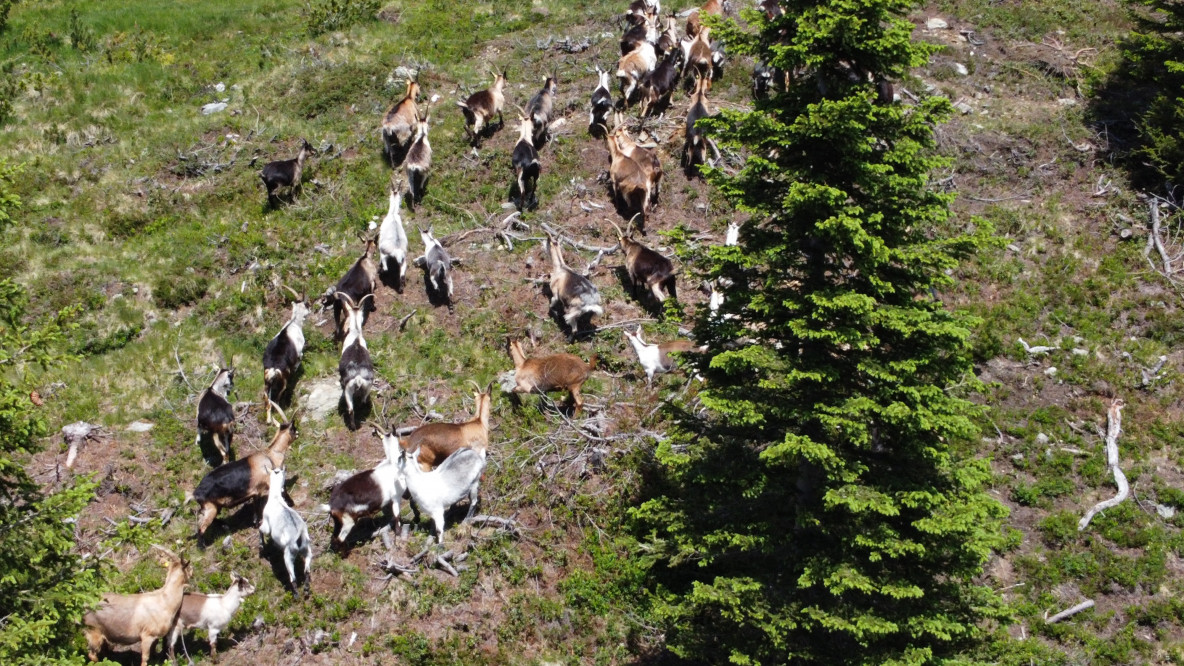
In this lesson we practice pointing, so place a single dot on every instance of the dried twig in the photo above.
(1113, 430)
(1157, 240)
(1070, 612)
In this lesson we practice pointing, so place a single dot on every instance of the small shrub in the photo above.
(82, 37)
(173, 291)
(5, 7)
(332, 15)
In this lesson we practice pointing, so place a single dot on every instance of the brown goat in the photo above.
(245, 479)
(400, 123)
(557, 372)
(481, 106)
(633, 66)
(128, 619)
(695, 20)
(646, 157)
(646, 267)
(437, 441)
(697, 56)
(631, 183)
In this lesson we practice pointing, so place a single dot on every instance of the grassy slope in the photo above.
(150, 215)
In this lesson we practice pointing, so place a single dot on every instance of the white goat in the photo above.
(656, 358)
(286, 528)
(435, 491)
(392, 241)
(211, 612)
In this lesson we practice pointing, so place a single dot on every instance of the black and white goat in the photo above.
(602, 105)
(434, 492)
(215, 414)
(286, 529)
(525, 161)
(392, 243)
(211, 612)
(658, 85)
(355, 368)
(358, 282)
(368, 492)
(285, 173)
(281, 358)
(539, 110)
(437, 266)
(571, 293)
(419, 158)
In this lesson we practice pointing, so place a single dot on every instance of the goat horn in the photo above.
(276, 407)
(298, 296)
(475, 385)
(619, 234)
(342, 294)
(362, 301)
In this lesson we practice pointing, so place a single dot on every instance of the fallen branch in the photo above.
(1113, 430)
(509, 524)
(1157, 241)
(1070, 612)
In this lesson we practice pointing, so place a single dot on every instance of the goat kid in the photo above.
(400, 123)
(525, 161)
(286, 530)
(392, 242)
(571, 292)
(215, 414)
(437, 441)
(283, 355)
(646, 267)
(437, 266)
(419, 158)
(211, 612)
(436, 491)
(355, 368)
(540, 109)
(285, 173)
(656, 358)
(243, 480)
(368, 492)
(557, 372)
(602, 105)
(358, 282)
(128, 619)
(481, 106)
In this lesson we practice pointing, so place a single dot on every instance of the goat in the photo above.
(437, 266)
(283, 354)
(646, 267)
(215, 414)
(211, 612)
(525, 161)
(437, 441)
(632, 67)
(698, 54)
(358, 282)
(632, 185)
(602, 104)
(285, 173)
(392, 242)
(419, 158)
(656, 359)
(732, 236)
(766, 77)
(647, 158)
(695, 20)
(540, 108)
(694, 150)
(668, 40)
(237, 482)
(557, 372)
(368, 492)
(571, 292)
(771, 8)
(127, 619)
(400, 123)
(355, 368)
(455, 479)
(640, 9)
(286, 529)
(480, 107)
(658, 85)
(645, 31)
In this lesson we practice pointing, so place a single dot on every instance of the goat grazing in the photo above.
(368, 492)
(525, 160)
(632, 67)
(455, 479)
(419, 158)
(657, 359)
(358, 282)
(539, 110)
(646, 267)
(437, 266)
(602, 105)
(400, 123)
(285, 173)
(211, 612)
(355, 367)
(437, 441)
(572, 293)
(481, 106)
(215, 414)
(694, 150)
(245, 479)
(128, 619)
(286, 529)
(283, 354)
(557, 372)
(392, 242)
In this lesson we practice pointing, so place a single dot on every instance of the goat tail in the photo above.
(188, 497)
(592, 361)
(593, 308)
(462, 105)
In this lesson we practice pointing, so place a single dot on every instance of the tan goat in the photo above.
(128, 619)
(437, 441)
(557, 372)
(400, 124)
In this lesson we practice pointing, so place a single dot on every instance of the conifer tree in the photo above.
(815, 512)
(1154, 59)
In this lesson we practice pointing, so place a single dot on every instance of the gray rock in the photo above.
(936, 23)
(963, 108)
(140, 426)
(322, 399)
(213, 107)
(961, 69)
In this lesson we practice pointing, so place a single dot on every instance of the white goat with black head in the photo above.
(215, 414)
(355, 368)
(286, 529)
(602, 105)
(392, 243)
(282, 357)
(437, 266)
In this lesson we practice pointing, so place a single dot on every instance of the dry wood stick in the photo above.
(1113, 430)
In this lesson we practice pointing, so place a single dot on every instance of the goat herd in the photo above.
(437, 464)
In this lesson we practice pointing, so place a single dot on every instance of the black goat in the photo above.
(602, 105)
(358, 282)
(657, 86)
(282, 356)
(215, 414)
(285, 173)
(525, 160)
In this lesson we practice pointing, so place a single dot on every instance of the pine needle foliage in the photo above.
(815, 512)
(1153, 57)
